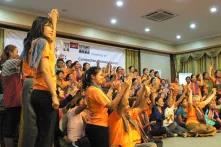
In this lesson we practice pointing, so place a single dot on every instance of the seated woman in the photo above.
(76, 123)
(157, 116)
(169, 123)
(195, 117)
(123, 129)
(181, 113)
(212, 116)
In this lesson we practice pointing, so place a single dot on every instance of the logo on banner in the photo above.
(74, 45)
(84, 49)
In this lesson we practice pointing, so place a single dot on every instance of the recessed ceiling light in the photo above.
(147, 29)
(192, 25)
(8, 0)
(178, 37)
(213, 9)
(113, 21)
(119, 3)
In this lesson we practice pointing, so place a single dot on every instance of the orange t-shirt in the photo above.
(62, 83)
(135, 133)
(97, 110)
(27, 70)
(117, 135)
(191, 114)
(176, 88)
(39, 82)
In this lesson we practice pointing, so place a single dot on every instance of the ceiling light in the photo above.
(192, 25)
(147, 29)
(119, 3)
(178, 37)
(113, 21)
(8, 0)
(213, 9)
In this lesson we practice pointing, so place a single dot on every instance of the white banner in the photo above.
(69, 49)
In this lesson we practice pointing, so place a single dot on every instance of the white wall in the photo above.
(156, 61)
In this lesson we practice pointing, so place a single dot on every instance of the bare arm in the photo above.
(209, 98)
(44, 66)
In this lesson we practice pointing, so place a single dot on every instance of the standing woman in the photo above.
(98, 103)
(44, 98)
(12, 86)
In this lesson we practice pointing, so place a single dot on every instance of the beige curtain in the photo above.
(132, 59)
(199, 61)
(1, 40)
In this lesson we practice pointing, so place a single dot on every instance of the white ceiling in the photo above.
(130, 19)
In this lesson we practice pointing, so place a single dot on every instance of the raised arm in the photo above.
(210, 97)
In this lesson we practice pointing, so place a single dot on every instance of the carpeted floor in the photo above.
(193, 142)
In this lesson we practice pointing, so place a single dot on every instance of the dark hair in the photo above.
(6, 52)
(37, 30)
(188, 77)
(157, 98)
(131, 67)
(204, 74)
(87, 79)
(151, 70)
(73, 64)
(192, 76)
(151, 80)
(58, 72)
(84, 66)
(60, 59)
(67, 61)
(144, 69)
(155, 73)
(119, 67)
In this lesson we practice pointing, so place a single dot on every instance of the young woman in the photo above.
(195, 87)
(98, 104)
(44, 98)
(12, 87)
(195, 117)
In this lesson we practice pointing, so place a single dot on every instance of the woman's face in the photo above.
(48, 31)
(218, 74)
(61, 76)
(132, 69)
(184, 103)
(77, 65)
(69, 63)
(87, 66)
(98, 78)
(206, 76)
(14, 54)
(193, 79)
(160, 102)
(145, 71)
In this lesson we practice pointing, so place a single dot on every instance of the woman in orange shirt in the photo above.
(98, 104)
(195, 117)
(44, 98)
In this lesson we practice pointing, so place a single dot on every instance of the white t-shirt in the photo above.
(169, 112)
(75, 126)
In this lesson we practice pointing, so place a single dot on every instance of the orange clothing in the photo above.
(135, 133)
(158, 82)
(27, 70)
(191, 113)
(97, 110)
(175, 87)
(39, 82)
(118, 136)
(62, 83)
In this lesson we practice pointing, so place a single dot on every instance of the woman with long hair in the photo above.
(41, 43)
(98, 103)
(12, 86)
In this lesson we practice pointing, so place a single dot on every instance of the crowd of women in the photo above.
(49, 102)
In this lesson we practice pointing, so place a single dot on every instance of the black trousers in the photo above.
(97, 135)
(11, 122)
(45, 117)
